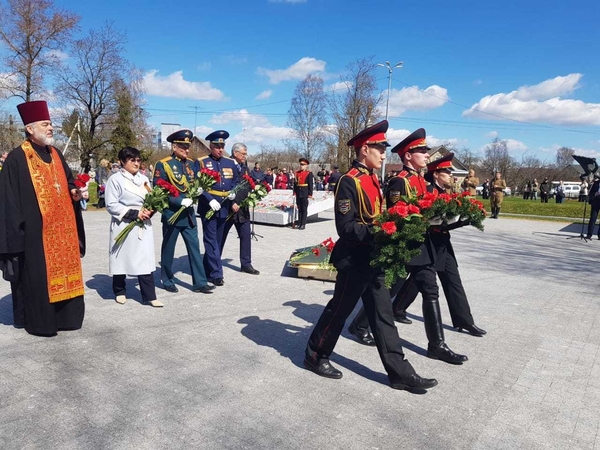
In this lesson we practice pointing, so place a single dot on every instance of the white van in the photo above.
(571, 188)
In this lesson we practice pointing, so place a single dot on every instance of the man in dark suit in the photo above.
(594, 200)
(241, 218)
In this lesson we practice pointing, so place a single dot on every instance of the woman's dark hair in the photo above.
(128, 153)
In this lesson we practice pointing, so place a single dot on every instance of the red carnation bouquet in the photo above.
(400, 230)
(157, 199)
(81, 182)
(316, 255)
(247, 181)
(203, 181)
(256, 194)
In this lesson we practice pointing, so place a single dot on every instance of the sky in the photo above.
(525, 71)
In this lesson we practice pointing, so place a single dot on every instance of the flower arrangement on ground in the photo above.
(203, 181)
(157, 199)
(256, 194)
(315, 255)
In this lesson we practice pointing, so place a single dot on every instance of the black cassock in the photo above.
(22, 255)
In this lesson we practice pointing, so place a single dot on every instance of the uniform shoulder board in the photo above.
(167, 159)
(354, 172)
(403, 173)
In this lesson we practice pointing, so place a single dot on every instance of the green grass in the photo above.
(516, 205)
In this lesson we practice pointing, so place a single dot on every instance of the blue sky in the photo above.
(469, 66)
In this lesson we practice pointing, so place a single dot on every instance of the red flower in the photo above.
(316, 251)
(328, 244)
(431, 196)
(267, 186)
(413, 209)
(168, 187)
(211, 173)
(389, 227)
(84, 177)
(399, 209)
(425, 203)
(446, 197)
(250, 181)
(466, 194)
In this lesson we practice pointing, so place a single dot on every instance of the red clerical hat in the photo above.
(373, 135)
(413, 141)
(33, 111)
(443, 163)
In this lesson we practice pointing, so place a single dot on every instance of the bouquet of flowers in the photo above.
(81, 182)
(399, 231)
(204, 180)
(157, 199)
(258, 192)
(247, 181)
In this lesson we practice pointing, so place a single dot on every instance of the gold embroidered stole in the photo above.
(59, 229)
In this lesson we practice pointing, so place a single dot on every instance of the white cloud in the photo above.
(396, 136)
(492, 134)
(415, 99)
(340, 87)
(296, 71)
(587, 152)
(432, 141)
(264, 95)
(174, 86)
(256, 129)
(288, 1)
(243, 116)
(7, 82)
(57, 54)
(539, 103)
(261, 135)
(512, 145)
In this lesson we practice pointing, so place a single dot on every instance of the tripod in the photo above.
(581, 236)
(253, 235)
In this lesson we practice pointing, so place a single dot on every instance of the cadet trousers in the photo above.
(302, 211)
(449, 276)
(243, 231)
(352, 284)
(167, 251)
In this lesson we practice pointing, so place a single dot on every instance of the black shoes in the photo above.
(218, 281)
(402, 319)
(414, 382)
(473, 330)
(443, 353)
(249, 269)
(302, 227)
(205, 289)
(363, 336)
(171, 288)
(324, 369)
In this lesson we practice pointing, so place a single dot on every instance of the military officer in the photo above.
(241, 219)
(414, 152)
(497, 187)
(334, 177)
(303, 190)
(358, 202)
(439, 175)
(217, 199)
(177, 170)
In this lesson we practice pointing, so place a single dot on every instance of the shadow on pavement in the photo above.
(6, 312)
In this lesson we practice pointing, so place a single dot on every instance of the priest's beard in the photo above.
(41, 137)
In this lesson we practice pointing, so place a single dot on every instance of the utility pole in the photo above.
(390, 69)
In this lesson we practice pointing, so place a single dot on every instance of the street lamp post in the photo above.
(390, 69)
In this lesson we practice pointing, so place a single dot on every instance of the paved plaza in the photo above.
(224, 371)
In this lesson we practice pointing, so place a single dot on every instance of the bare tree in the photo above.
(564, 157)
(33, 31)
(497, 159)
(307, 116)
(92, 83)
(465, 155)
(354, 108)
(10, 136)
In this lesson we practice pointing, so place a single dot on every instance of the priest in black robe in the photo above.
(41, 230)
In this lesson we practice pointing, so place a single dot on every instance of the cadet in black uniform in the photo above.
(303, 190)
(334, 177)
(358, 202)
(413, 151)
(439, 174)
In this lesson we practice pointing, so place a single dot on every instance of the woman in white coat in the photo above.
(124, 195)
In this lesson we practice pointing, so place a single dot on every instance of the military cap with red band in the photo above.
(35, 111)
(415, 140)
(374, 135)
(443, 163)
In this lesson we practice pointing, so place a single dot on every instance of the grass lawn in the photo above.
(516, 205)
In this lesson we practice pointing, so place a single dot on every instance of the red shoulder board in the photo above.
(403, 174)
(354, 172)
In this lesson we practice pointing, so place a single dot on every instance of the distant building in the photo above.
(165, 130)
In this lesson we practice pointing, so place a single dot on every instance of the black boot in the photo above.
(497, 212)
(442, 352)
